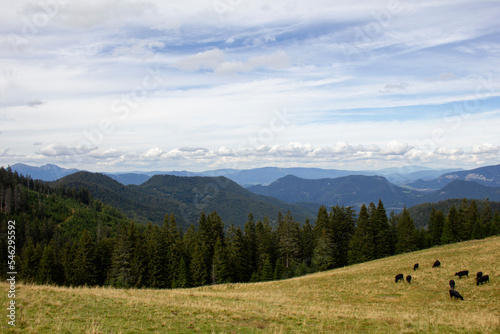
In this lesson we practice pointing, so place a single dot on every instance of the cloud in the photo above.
(209, 59)
(35, 103)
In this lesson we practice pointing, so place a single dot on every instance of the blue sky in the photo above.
(162, 85)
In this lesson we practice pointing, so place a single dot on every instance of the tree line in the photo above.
(105, 248)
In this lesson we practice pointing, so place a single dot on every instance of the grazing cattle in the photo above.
(399, 277)
(456, 294)
(462, 273)
(408, 278)
(415, 266)
(479, 275)
(483, 279)
(452, 284)
(436, 264)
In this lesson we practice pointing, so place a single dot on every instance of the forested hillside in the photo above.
(65, 237)
(184, 197)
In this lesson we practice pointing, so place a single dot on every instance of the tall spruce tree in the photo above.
(383, 239)
(362, 244)
(449, 228)
(407, 234)
(435, 226)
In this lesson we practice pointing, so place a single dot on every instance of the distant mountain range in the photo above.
(145, 197)
(488, 176)
(185, 198)
(353, 190)
(246, 177)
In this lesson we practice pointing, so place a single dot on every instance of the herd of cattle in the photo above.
(480, 279)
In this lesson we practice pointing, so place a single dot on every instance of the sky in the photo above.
(115, 86)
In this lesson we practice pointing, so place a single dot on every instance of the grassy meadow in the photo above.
(357, 299)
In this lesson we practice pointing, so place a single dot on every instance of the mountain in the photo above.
(487, 176)
(48, 172)
(464, 189)
(184, 197)
(130, 178)
(353, 190)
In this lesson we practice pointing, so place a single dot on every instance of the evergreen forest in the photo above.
(65, 237)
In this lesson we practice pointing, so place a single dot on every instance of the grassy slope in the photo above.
(356, 299)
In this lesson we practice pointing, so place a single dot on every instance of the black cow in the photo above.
(415, 266)
(436, 264)
(483, 279)
(452, 284)
(462, 273)
(479, 275)
(399, 277)
(408, 278)
(456, 294)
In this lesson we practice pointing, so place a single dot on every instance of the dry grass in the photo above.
(356, 299)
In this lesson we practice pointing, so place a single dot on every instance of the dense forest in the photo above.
(65, 237)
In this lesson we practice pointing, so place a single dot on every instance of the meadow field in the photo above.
(361, 298)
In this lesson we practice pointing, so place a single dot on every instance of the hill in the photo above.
(356, 299)
(353, 190)
(48, 172)
(184, 197)
(464, 189)
(487, 176)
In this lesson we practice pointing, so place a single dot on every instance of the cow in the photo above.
(462, 273)
(415, 266)
(399, 277)
(483, 279)
(436, 264)
(408, 278)
(456, 294)
(452, 284)
(479, 275)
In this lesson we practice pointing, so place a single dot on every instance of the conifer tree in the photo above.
(407, 234)
(288, 240)
(342, 223)
(198, 266)
(435, 226)
(324, 253)
(48, 270)
(29, 262)
(236, 256)
(362, 244)
(220, 266)
(85, 261)
(449, 228)
(383, 239)
(250, 245)
(267, 270)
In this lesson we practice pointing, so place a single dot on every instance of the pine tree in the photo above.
(85, 261)
(288, 239)
(478, 230)
(29, 262)
(324, 253)
(307, 242)
(342, 223)
(435, 226)
(198, 266)
(236, 255)
(49, 267)
(382, 232)
(250, 245)
(407, 234)
(449, 228)
(220, 265)
(267, 270)
(362, 245)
